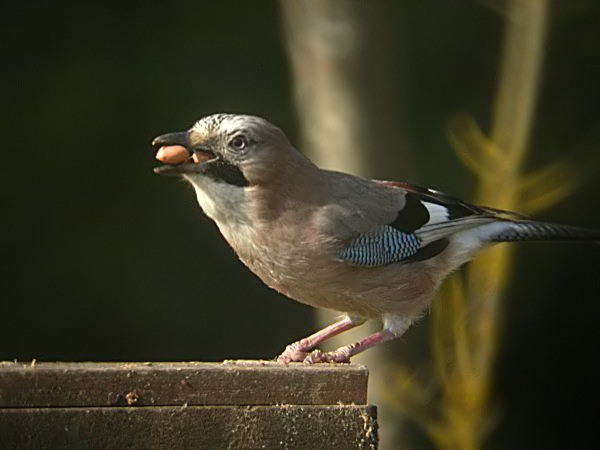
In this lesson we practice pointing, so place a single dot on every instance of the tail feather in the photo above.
(529, 230)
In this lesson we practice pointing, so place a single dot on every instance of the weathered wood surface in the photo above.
(192, 427)
(176, 384)
(237, 404)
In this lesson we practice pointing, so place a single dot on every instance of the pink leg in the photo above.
(298, 351)
(343, 354)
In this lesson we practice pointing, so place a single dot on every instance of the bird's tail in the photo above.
(529, 230)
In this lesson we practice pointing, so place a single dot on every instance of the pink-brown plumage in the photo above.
(369, 249)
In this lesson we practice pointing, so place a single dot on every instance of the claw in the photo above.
(317, 356)
(292, 353)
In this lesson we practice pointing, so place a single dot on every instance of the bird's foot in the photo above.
(292, 353)
(341, 355)
(300, 350)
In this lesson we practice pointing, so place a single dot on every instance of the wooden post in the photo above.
(234, 404)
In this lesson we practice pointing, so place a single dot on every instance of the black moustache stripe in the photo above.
(220, 170)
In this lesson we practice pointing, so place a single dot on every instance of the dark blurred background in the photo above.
(104, 261)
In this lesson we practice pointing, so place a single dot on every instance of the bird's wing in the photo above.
(455, 206)
(421, 229)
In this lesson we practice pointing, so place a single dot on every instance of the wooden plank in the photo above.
(214, 427)
(175, 384)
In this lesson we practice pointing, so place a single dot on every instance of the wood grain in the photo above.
(234, 383)
(235, 404)
(210, 427)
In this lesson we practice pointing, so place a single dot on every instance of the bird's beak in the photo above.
(175, 152)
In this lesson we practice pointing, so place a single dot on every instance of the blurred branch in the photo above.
(464, 355)
(513, 115)
(323, 42)
(466, 413)
(346, 88)
(346, 107)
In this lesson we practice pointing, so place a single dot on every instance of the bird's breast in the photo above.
(304, 265)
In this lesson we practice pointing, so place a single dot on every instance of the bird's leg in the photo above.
(393, 327)
(298, 351)
(343, 354)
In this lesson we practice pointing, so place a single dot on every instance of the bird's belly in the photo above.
(312, 273)
(367, 292)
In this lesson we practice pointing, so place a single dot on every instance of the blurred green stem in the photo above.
(467, 413)
(511, 127)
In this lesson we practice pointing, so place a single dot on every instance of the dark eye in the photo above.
(239, 142)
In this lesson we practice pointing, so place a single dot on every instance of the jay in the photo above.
(366, 248)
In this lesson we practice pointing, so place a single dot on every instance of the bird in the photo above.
(368, 249)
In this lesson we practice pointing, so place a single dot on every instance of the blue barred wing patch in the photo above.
(382, 246)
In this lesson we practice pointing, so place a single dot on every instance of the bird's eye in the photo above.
(239, 142)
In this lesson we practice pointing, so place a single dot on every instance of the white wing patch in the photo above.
(437, 213)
